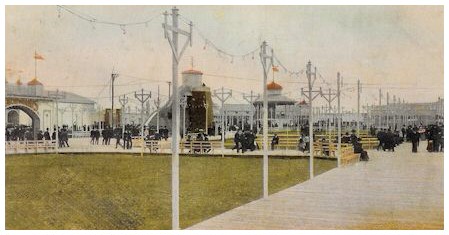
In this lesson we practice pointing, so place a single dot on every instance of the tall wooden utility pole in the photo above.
(169, 89)
(358, 107)
(222, 96)
(329, 97)
(142, 98)
(56, 95)
(339, 119)
(380, 109)
(388, 110)
(123, 101)
(267, 64)
(250, 99)
(309, 95)
(157, 103)
(113, 77)
(176, 57)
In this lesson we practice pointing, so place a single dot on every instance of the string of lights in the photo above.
(323, 80)
(286, 70)
(94, 20)
(221, 52)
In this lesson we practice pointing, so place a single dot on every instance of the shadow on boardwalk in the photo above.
(395, 190)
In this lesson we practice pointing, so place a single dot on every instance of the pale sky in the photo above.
(397, 47)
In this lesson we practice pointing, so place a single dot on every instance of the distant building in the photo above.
(198, 110)
(282, 111)
(31, 104)
(235, 115)
(398, 114)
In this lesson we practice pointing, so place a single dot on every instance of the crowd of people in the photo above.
(108, 133)
(243, 140)
(22, 133)
(435, 137)
(19, 132)
(433, 133)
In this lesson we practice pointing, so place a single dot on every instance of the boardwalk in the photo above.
(393, 191)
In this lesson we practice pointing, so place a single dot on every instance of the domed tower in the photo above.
(36, 88)
(192, 78)
(278, 105)
(274, 89)
(199, 111)
(18, 87)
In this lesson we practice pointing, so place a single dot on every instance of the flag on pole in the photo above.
(38, 57)
(275, 69)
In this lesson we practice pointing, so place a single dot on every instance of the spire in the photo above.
(34, 82)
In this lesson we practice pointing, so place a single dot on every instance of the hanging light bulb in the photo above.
(252, 56)
(122, 27)
(205, 44)
(92, 24)
(232, 59)
(59, 12)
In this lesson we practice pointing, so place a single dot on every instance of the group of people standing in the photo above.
(435, 138)
(244, 141)
(108, 134)
(63, 136)
(433, 133)
(388, 139)
(19, 132)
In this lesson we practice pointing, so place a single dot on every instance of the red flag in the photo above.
(38, 57)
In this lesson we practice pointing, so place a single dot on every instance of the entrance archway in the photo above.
(35, 120)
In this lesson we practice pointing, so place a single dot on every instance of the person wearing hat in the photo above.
(274, 141)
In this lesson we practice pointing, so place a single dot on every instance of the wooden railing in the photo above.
(153, 145)
(31, 145)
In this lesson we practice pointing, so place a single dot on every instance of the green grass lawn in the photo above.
(122, 191)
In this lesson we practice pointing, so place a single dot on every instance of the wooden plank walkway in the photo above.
(397, 190)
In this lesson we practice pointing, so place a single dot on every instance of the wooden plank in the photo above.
(394, 190)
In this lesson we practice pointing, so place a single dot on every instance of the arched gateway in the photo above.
(35, 120)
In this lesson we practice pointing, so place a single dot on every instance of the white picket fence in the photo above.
(28, 146)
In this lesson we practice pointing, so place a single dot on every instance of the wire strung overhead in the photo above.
(286, 70)
(94, 20)
(221, 53)
(207, 42)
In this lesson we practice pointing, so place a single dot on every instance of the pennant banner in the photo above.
(38, 57)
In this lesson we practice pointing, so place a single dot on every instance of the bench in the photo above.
(369, 143)
(199, 147)
(325, 149)
(153, 145)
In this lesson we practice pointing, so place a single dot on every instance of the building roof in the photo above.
(277, 99)
(234, 109)
(192, 71)
(274, 86)
(34, 82)
(74, 98)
